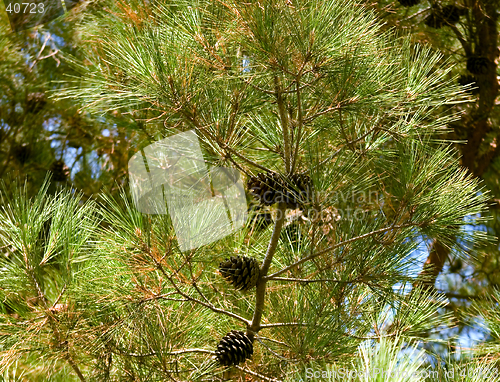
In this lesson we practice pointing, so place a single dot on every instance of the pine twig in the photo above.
(59, 297)
(200, 292)
(192, 118)
(193, 299)
(269, 92)
(331, 248)
(242, 157)
(320, 113)
(274, 353)
(51, 319)
(334, 154)
(341, 120)
(273, 340)
(273, 93)
(465, 44)
(371, 337)
(152, 354)
(281, 324)
(255, 374)
(291, 279)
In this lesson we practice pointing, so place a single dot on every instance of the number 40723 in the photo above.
(25, 8)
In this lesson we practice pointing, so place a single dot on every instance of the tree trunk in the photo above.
(477, 122)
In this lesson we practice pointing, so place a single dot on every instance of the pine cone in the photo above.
(234, 348)
(478, 64)
(241, 271)
(408, 3)
(60, 171)
(301, 186)
(451, 14)
(434, 20)
(456, 266)
(468, 79)
(22, 152)
(35, 102)
(264, 187)
(271, 188)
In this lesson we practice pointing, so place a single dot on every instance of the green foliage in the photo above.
(296, 87)
(46, 240)
(459, 30)
(382, 361)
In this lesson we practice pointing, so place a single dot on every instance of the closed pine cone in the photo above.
(241, 271)
(271, 188)
(234, 348)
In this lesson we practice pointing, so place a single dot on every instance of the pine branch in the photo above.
(333, 247)
(342, 129)
(274, 353)
(284, 125)
(306, 281)
(465, 44)
(261, 283)
(175, 352)
(274, 93)
(392, 335)
(337, 152)
(255, 374)
(282, 324)
(195, 300)
(387, 92)
(300, 119)
(51, 319)
(223, 145)
(273, 340)
(312, 117)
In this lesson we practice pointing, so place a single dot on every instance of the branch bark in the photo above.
(260, 292)
(284, 125)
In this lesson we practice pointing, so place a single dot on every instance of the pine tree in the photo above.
(312, 94)
(36, 131)
(471, 43)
